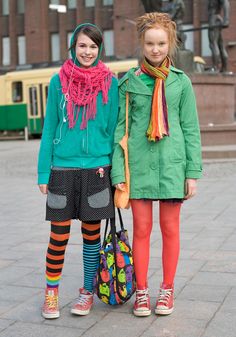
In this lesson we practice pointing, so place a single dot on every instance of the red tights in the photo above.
(169, 215)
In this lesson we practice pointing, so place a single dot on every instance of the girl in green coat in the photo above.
(164, 152)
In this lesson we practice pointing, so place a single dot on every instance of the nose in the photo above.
(87, 51)
(155, 49)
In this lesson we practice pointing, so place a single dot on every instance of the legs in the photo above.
(169, 215)
(169, 223)
(60, 232)
(142, 227)
(91, 248)
(59, 236)
(142, 219)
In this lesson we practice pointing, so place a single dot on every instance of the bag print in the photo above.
(114, 282)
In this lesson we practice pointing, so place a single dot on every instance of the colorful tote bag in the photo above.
(114, 282)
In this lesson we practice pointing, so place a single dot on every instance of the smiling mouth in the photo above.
(85, 58)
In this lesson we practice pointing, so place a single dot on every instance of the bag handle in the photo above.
(127, 114)
(113, 225)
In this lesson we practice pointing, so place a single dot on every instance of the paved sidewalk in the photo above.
(206, 278)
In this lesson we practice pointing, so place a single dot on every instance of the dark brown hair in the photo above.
(92, 32)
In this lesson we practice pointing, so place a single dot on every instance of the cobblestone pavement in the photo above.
(205, 303)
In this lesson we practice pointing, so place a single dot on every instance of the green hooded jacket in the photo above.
(158, 169)
(64, 147)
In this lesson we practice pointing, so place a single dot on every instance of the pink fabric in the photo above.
(81, 87)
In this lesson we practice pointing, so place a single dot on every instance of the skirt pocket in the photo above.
(98, 196)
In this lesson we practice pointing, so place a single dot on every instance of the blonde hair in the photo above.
(158, 20)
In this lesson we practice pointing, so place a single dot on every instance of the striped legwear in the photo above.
(60, 233)
(91, 247)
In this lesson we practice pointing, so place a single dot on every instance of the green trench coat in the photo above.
(158, 169)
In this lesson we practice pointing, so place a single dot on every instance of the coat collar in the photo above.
(135, 84)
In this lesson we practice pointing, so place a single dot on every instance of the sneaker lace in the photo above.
(83, 299)
(164, 295)
(51, 301)
(141, 296)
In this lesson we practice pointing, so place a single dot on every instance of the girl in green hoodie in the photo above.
(74, 161)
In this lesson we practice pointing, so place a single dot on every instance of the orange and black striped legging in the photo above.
(59, 236)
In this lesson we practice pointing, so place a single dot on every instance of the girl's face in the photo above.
(155, 45)
(86, 50)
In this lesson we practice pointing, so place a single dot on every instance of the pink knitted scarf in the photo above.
(81, 87)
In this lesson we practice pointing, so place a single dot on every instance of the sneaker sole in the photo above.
(80, 312)
(164, 311)
(51, 316)
(142, 313)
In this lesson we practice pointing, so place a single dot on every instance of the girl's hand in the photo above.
(190, 188)
(120, 186)
(43, 188)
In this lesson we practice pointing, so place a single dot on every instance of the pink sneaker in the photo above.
(83, 304)
(50, 307)
(142, 303)
(165, 300)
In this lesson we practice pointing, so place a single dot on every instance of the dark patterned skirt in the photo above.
(84, 194)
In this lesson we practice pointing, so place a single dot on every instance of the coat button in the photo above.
(151, 149)
(153, 166)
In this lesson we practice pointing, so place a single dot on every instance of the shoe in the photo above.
(50, 308)
(142, 303)
(165, 300)
(83, 304)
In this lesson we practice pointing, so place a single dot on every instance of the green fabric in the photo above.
(158, 170)
(64, 147)
(148, 81)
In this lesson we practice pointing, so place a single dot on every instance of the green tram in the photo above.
(23, 96)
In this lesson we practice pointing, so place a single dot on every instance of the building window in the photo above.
(55, 47)
(107, 2)
(206, 51)
(6, 51)
(108, 36)
(189, 38)
(21, 50)
(72, 4)
(55, 2)
(89, 3)
(5, 7)
(20, 6)
(17, 92)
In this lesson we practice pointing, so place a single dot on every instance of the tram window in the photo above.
(17, 92)
(33, 101)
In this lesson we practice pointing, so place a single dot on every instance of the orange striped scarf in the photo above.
(158, 125)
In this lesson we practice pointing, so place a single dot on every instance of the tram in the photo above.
(23, 96)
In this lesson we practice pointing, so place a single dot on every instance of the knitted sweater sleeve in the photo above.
(49, 129)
